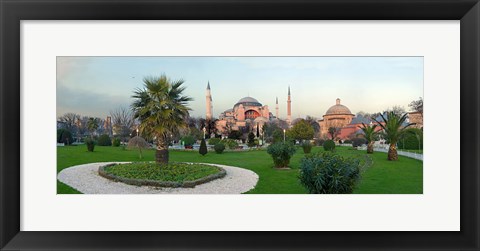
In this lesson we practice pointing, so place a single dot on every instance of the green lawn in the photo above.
(404, 176)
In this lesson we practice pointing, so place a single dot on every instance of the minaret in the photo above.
(289, 108)
(209, 102)
(276, 109)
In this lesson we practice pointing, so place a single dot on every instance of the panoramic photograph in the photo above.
(239, 125)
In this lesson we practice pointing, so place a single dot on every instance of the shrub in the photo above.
(188, 140)
(329, 173)
(358, 142)
(219, 147)
(214, 141)
(281, 153)
(307, 147)
(329, 145)
(230, 143)
(104, 140)
(319, 142)
(116, 142)
(90, 144)
(251, 140)
(203, 148)
(64, 136)
(347, 141)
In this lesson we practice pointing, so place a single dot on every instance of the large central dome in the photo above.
(248, 101)
(338, 109)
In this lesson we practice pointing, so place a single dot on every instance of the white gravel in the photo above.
(85, 178)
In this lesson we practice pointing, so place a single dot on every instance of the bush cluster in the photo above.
(307, 146)
(64, 136)
(104, 140)
(116, 142)
(281, 153)
(188, 140)
(410, 140)
(219, 147)
(329, 145)
(214, 141)
(230, 143)
(356, 142)
(329, 173)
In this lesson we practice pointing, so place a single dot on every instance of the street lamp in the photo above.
(137, 131)
(204, 131)
(284, 135)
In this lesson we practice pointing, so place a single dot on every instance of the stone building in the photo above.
(338, 116)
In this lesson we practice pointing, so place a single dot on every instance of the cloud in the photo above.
(87, 103)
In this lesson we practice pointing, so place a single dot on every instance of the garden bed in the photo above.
(150, 174)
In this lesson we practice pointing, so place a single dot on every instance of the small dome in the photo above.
(338, 109)
(248, 101)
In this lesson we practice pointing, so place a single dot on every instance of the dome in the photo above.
(338, 109)
(248, 101)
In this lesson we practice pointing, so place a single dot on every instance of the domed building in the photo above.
(337, 116)
(247, 111)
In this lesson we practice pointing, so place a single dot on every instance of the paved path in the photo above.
(85, 179)
(412, 155)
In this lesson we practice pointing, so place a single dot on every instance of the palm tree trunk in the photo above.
(392, 152)
(161, 155)
(370, 147)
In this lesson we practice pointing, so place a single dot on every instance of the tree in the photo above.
(139, 143)
(393, 128)
(398, 110)
(302, 130)
(251, 140)
(122, 122)
(370, 135)
(203, 148)
(333, 132)
(417, 105)
(313, 122)
(210, 126)
(235, 134)
(162, 110)
(92, 126)
(70, 121)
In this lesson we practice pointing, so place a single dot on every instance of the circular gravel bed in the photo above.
(85, 178)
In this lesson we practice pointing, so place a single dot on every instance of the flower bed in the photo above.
(151, 174)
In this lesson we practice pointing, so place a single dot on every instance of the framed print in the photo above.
(250, 65)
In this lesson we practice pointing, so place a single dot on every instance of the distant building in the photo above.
(337, 116)
(247, 112)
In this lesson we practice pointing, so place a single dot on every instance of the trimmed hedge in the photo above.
(156, 183)
(329, 145)
(219, 147)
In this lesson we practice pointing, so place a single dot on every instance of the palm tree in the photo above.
(393, 129)
(92, 125)
(370, 135)
(162, 110)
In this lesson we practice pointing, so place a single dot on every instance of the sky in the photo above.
(94, 86)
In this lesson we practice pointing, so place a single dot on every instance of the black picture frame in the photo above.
(13, 11)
